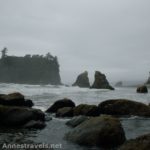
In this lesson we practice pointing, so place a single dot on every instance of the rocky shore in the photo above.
(92, 125)
(16, 112)
(100, 125)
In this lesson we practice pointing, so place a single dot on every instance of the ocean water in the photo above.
(45, 95)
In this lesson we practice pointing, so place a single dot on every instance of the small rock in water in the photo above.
(142, 89)
(86, 110)
(60, 104)
(35, 124)
(65, 112)
(75, 121)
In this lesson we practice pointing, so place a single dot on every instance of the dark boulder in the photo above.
(35, 124)
(82, 80)
(29, 103)
(103, 131)
(86, 110)
(142, 89)
(101, 82)
(15, 99)
(13, 116)
(121, 107)
(65, 112)
(140, 143)
(75, 121)
(60, 104)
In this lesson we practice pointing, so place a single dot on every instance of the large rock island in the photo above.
(35, 69)
(82, 80)
(101, 82)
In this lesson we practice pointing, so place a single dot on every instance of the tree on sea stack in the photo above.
(4, 52)
(101, 82)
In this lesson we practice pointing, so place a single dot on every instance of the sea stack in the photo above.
(142, 89)
(82, 80)
(101, 82)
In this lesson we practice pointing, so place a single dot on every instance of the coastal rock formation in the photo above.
(65, 112)
(13, 116)
(142, 89)
(75, 121)
(140, 143)
(121, 107)
(82, 80)
(35, 124)
(29, 103)
(86, 110)
(15, 99)
(35, 69)
(60, 104)
(101, 82)
(103, 131)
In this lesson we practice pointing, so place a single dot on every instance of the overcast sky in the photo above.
(112, 36)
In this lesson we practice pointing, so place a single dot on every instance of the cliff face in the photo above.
(30, 69)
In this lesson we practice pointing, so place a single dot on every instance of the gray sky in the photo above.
(112, 36)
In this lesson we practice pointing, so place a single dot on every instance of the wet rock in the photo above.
(101, 82)
(29, 103)
(142, 89)
(140, 143)
(60, 104)
(121, 107)
(15, 99)
(35, 124)
(86, 110)
(65, 112)
(82, 80)
(13, 116)
(75, 121)
(103, 131)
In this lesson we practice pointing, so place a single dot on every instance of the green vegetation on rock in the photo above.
(35, 69)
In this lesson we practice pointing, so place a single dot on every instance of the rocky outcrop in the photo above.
(75, 121)
(140, 143)
(15, 99)
(103, 131)
(13, 116)
(101, 82)
(30, 69)
(86, 110)
(82, 80)
(142, 89)
(65, 112)
(35, 124)
(121, 107)
(60, 104)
